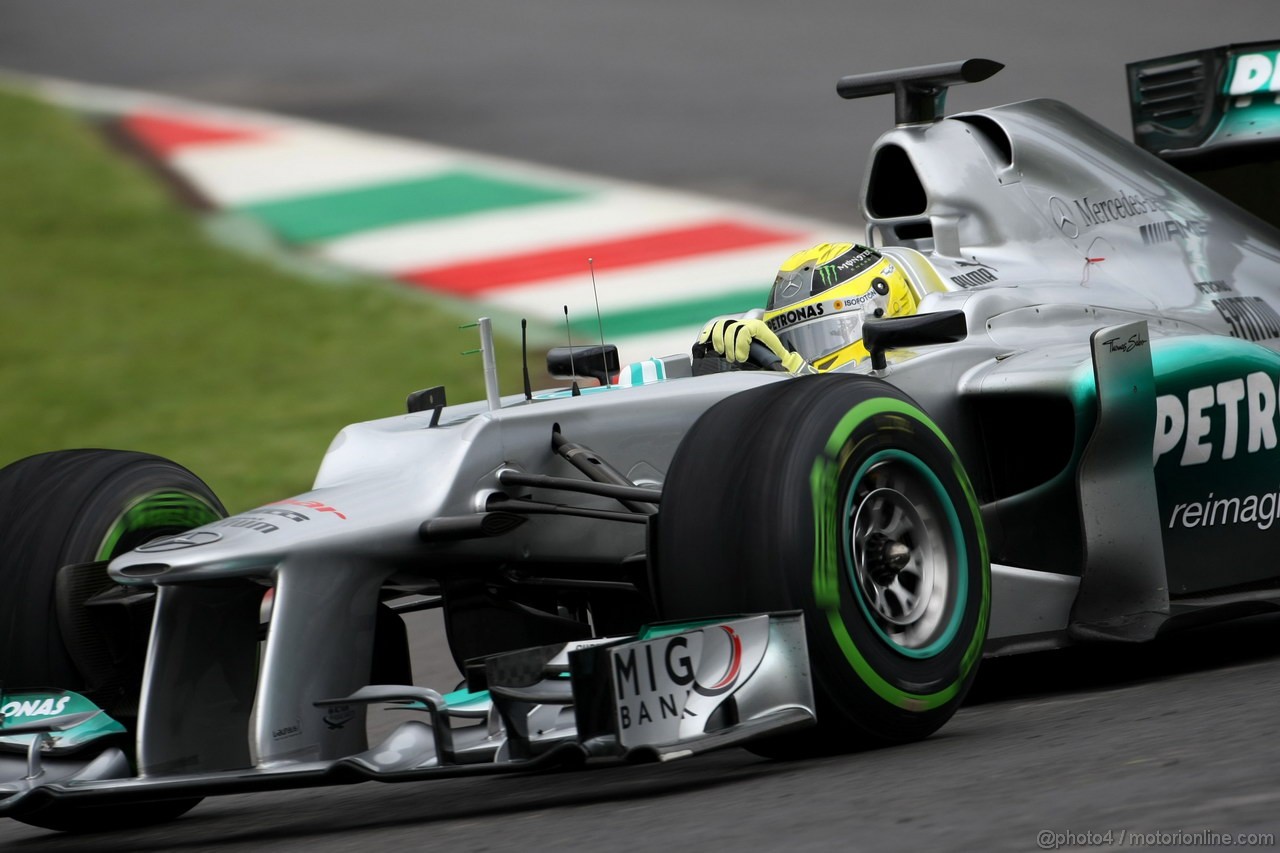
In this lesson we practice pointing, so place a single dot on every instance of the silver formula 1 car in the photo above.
(1073, 440)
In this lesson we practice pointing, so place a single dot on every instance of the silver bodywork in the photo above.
(1039, 225)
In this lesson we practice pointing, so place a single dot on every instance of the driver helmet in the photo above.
(822, 296)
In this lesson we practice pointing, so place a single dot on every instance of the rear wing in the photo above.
(1215, 114)
(1209, 108)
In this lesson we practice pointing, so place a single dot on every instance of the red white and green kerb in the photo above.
(510, 236)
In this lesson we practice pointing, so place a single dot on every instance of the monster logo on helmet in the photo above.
(822, 295)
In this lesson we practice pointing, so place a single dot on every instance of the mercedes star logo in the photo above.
(186, 540)
(1061, 215)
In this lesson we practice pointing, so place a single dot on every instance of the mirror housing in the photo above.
(940, 327)
(600, 362)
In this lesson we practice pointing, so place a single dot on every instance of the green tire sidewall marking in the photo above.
(962, 554)
(823, 483)
(165, 510)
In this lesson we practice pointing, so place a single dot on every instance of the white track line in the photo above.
(292, 163)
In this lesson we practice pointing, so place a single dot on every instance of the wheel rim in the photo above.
(904, 553)
(154, 515)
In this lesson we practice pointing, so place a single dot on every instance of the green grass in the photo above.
(122, 326)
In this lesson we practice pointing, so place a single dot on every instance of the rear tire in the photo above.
(835, 495)
(71, 508)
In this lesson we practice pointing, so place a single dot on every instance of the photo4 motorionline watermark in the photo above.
(1048, 839)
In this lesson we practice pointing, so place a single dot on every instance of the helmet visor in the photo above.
(823, 336)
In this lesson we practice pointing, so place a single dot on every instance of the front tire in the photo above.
(63, 516)
(838, 496)
(89, 819)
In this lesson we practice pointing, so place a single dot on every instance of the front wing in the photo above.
(674, 690)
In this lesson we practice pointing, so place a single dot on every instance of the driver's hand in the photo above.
(732, 339)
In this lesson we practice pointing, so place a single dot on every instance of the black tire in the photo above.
(72, 508)
(88, 819)
(777, 498)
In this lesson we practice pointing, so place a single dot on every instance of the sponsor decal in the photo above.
(1060, 213)
(856, 260)
(795, 315)
(654, 681)
(975, 278)
(1216, 448)
(315, 505)
(34, 707)
(1217, 421)
(1088, 211)
(249, 524)
(1171, 229)
(1217, 286)
(1249, 317)
(856, 301)
(283, 513)
(186, 540)
(285, 732)
(338, 716)
(851, 263)
(983, 274)
(1255, 72)
(1123, 205)
(1260, 510)
(1128, 344)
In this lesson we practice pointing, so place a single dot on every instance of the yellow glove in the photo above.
(732, 339)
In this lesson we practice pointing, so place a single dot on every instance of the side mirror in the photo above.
(427, 400)
(940, 327)
(600, 362)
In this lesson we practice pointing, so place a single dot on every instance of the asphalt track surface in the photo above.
(735, 99)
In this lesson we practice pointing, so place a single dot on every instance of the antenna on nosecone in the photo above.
(524, 357)
(573, 368)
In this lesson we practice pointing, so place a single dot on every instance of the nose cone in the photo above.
(227, 547)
